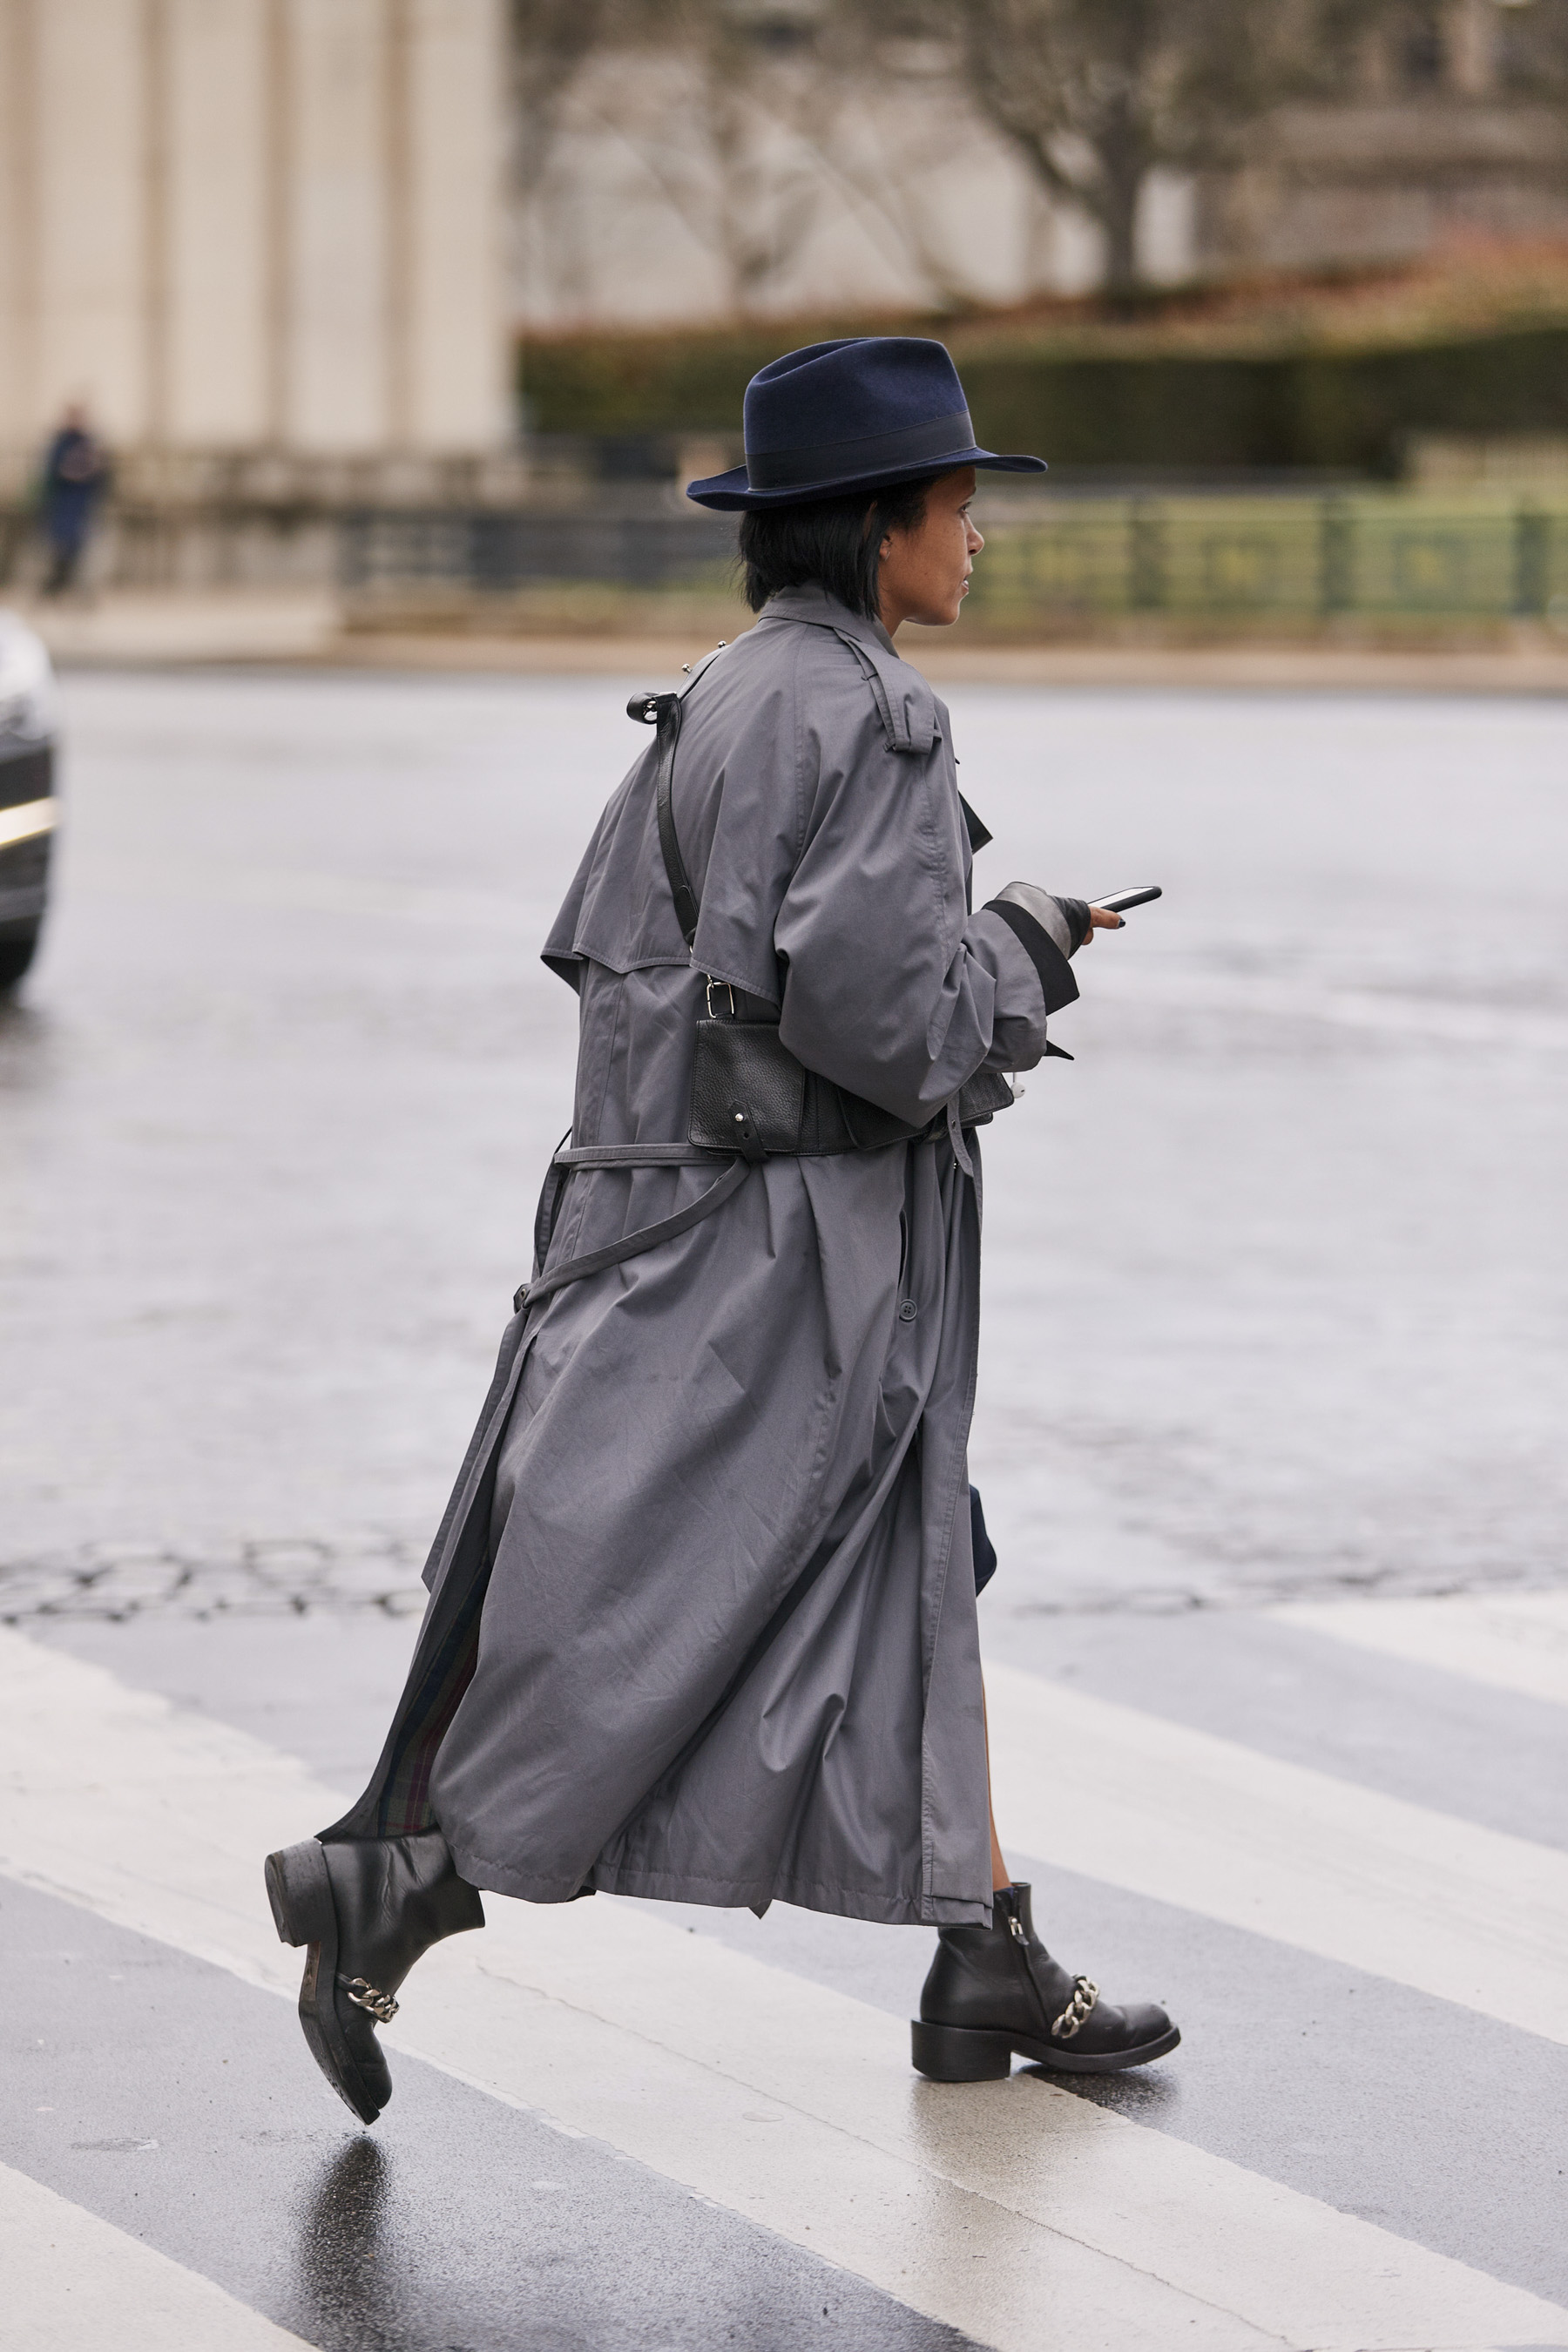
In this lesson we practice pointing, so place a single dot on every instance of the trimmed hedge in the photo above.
(1326, 408)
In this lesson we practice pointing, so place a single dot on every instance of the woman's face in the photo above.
(923, 574)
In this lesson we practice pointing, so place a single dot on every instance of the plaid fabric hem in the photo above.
(404, 1809)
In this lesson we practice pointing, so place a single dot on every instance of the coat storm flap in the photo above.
(728, 1650)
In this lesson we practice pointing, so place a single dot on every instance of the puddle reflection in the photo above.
(347, 2291)
(1143, 2095)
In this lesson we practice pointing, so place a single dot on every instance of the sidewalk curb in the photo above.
(308, 634)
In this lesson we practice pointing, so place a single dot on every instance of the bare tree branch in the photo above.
(1095, 94)
(712, 97)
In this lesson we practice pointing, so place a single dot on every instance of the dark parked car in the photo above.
(27, 804)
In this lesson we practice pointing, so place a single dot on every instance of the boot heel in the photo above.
(301, 1893)
(960, 2054)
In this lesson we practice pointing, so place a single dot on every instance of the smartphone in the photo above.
(1117, 902)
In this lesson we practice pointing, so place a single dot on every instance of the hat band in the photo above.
(829, 461)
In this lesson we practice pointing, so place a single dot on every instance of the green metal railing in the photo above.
(1231, 561)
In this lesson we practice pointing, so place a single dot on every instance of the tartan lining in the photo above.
(405, 1806)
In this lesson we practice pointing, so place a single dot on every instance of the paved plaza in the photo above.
(1274, 1377)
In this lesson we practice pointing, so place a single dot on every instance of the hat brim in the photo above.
(733, 492)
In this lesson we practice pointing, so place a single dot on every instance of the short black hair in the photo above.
(834, 543)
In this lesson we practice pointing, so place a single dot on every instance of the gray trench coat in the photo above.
(727, 1650)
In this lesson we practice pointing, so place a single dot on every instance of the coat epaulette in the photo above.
(904, 700)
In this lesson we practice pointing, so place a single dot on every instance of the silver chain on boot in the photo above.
(364, 1995)
(1084, 1995)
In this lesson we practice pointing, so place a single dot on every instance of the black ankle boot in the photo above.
(994, 1990)
(367, 1908)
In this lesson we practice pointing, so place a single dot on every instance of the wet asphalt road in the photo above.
(1277, 1307)
(1276, 1293)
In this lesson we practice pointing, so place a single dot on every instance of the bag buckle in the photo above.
(729, 992)
(649, 708)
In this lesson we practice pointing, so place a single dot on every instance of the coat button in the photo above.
(907, 1311)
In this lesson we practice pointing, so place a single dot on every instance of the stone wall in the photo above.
(231, 225)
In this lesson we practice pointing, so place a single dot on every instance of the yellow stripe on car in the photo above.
(23, 824)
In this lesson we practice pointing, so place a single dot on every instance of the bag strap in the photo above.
(688, 906)
(663, 711)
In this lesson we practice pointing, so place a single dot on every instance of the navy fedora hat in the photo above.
(857, 414)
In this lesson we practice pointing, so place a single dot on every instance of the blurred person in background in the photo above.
(75, 476)
(702, 1623)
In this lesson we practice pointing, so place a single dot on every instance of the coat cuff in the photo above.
(1056, 974)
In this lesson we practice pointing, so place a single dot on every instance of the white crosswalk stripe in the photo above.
(1465, 1913)
(1512, 1641)
(72, 2281)
(1012, 2210)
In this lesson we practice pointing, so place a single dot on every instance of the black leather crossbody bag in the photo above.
(749, 1094)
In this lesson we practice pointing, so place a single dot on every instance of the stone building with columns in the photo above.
(660, 196)
(270, 244)
(263, 242)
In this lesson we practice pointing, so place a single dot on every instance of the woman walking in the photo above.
(702, 1620)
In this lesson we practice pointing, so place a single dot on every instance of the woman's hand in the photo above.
(1100, 919)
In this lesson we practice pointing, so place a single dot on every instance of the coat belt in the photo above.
(645, 1237)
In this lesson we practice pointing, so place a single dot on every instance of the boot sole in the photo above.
(301, 1893)
(966, 2053)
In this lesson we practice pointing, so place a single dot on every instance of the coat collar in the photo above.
(824, 612)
